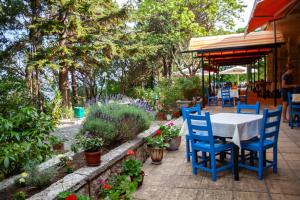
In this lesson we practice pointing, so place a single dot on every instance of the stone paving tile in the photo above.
(284, 186)
(150, 193)
(181, 194)
(221, 183)
(284, 197)
(250, 185)
(191, 181)
(291, 156)
(294, 164)
(250, 196)
(214, 194)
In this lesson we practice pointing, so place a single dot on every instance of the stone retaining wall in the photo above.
(85, 180)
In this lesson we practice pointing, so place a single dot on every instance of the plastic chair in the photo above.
(186, 111)
(245, 96)
(240, 107)
(227, 101)
(294, 112)
(202, 139)
(268, 139)
(213, 99)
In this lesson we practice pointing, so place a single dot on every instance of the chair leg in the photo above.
(243, 156)
(213, 167)
(260, 165)
(275, 159)
(251, 158)
(204, 158)
(188, 150)
(231, 161)
(194, 161)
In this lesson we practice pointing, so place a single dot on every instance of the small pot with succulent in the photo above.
(156, 144)
(57, 143)
(92, 148)
(171, 136)
(133, 168)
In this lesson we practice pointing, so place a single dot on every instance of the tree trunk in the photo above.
(74, 87)
(84, 87)
(63, 84)
(165, 67)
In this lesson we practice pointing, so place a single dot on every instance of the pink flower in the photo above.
(101, 182)
(171, 124)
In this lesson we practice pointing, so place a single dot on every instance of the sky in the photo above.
(239, 23)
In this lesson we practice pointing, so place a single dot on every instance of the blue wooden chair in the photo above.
(227, 101)
(268, 139)
(246, 109)
(244, 97)
(186, 111)
(202, 140)
(294, 112)
(241, 107)
(213, 99)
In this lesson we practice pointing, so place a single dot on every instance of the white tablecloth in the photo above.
(233, 93)
(237, 126)
(296, 98)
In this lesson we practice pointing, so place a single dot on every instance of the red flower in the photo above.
(71, 197)
(130, 152)
(107, 187)
(158, 132)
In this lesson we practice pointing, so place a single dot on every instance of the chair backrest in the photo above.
(270, 125)
(200, 129)
(188, 110)
(225, 93)
(248, 107)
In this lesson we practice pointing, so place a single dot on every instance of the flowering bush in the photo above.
(132, 167)
(117, 187)
(156, 141)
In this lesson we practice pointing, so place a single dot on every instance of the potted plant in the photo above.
(57, 143)
(171, 135)
(133, 168)
(66, 162)
(92, 148)
(156, 145)
(71, 196)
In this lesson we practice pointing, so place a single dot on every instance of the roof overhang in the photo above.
(265, 11)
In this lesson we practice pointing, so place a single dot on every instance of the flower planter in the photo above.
(160, 116)
(156, 155)
(174, 143)
(58, 147)
(176, 114)
(93, 158)
(140, 183)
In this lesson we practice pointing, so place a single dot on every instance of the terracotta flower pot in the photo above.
(93, 158)
(58, 147)
(174, 143)
(156, 155)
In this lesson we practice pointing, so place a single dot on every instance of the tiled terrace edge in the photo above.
(85, 180)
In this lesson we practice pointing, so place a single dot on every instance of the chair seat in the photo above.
(205, 146)
(255, 144)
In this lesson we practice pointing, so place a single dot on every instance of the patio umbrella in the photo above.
(237, 71)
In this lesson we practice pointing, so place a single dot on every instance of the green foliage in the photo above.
(37, 178)
(132, 167)
(175, 89)
(169, 131)
(19, 196)
(117, 187)
(88, 143)
(115, 122)
(54, 140)
(156, 141)
(64, 195)
(148, 94)
(24, 138)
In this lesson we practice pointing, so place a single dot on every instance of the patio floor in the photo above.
(173, 179)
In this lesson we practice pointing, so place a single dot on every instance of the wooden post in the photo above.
(202, 63)
(265, 76)
(275, 64)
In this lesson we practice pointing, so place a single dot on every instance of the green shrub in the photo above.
(115, 122)
(24, 138)
(19, 196)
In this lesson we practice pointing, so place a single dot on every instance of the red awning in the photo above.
(265, 11)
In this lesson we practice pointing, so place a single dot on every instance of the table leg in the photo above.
(264, 158)
(236, 162)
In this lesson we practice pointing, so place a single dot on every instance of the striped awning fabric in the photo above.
(235, 41)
